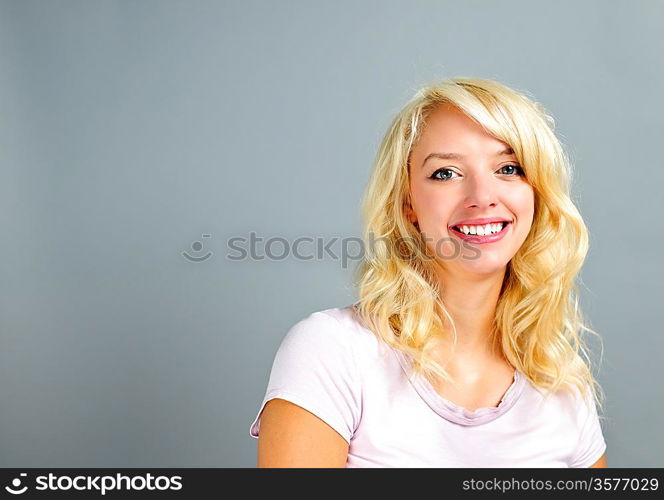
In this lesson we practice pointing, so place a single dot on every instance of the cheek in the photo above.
(522, 200)
(523, 206)
(431, 205)
(529, 204)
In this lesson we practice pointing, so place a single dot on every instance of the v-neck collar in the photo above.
(453, 412)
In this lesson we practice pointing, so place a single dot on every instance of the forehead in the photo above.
(449, 129)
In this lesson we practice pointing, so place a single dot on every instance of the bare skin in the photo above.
(291, 436)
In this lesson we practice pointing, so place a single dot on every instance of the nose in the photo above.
(481, 192)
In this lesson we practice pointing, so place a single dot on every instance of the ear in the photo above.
(410, 213)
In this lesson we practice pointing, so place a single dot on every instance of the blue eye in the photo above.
(433, 176)
(516, 170)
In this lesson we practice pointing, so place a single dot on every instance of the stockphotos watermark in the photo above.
(344, 249)
(95, 484)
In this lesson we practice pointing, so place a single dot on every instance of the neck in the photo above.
(471, 301)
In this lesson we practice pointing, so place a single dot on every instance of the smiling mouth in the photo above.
(460, 231)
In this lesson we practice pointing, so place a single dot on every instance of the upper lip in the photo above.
(480, 222)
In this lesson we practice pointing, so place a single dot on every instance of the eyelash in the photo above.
(517, 167)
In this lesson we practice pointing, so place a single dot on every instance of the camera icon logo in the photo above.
(197, 246)
(16, 483)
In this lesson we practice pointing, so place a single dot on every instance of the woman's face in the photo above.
(483, 181)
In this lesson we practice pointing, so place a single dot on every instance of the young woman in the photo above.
(465, 347)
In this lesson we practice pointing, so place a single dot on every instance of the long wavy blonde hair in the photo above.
(538, 322)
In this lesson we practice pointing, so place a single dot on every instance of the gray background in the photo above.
(130, 128)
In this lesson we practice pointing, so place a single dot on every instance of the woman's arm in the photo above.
(291, 436)
(601, 463)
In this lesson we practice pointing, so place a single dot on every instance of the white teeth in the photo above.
(483, 230)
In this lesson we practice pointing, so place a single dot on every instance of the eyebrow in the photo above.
(456, 156)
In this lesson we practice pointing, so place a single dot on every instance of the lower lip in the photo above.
(479, 240)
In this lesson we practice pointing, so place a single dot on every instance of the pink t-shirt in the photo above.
(332, 366)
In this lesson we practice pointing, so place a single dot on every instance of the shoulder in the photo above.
(568, 407)
(580, 405)
(568, 399)
(320, 366)
(336, 328)
(577, 420)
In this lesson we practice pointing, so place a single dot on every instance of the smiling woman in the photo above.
(465, 348)
(487, 198)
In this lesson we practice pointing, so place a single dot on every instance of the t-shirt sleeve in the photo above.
(315, 368)
(591, 444)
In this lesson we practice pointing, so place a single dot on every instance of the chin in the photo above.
(483, 266)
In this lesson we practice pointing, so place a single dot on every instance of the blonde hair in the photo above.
(537, 318)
